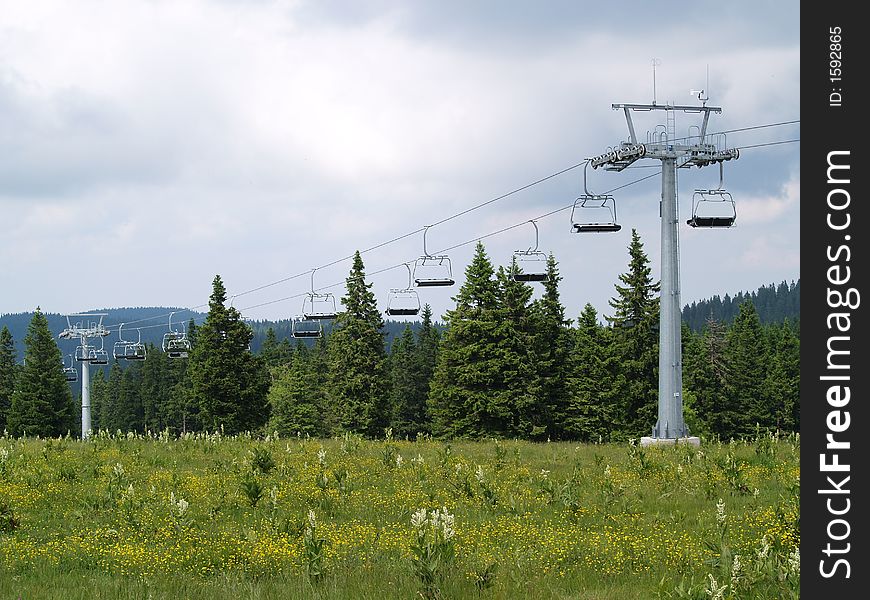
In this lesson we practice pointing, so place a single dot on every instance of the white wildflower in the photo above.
(763, 549)
(417, 461)
(607, 471)
(118, 470)
(755, 493)
(479, 474)
(545, 473)
(178, 506)
(714, 591)
(312, 520)
(736, 567)
(399, 460)
(720, 512)
(794, 561)
(321, 457)
(4, 454)
(418, 519)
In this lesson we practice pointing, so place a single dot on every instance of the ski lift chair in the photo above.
(98, 357)
(403, 301)
(69, 372)
(594, 213)
(318, 306)
(128, 350)
(175, 343)
(713, 208)
(82, 353)
(304, 327)
(431, 270)
(531, 263)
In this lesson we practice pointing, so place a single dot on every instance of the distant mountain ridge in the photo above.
(774, 303)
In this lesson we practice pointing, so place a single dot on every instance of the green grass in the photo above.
(214, 518)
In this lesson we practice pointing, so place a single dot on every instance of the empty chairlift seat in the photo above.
(307, 328)
(531, 264)
(129, 350)
(403, 301)
(712, 208)
(594, 214)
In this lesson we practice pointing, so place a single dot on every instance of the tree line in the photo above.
(503, 365)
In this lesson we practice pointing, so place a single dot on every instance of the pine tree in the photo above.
(358, 385)
(636, 322)
(468, 365)
(782, 387)
(7, 374)
(409, 389)
(41, 403)
(229, 383)
(746, 356)
(428, 340)
(594, 383)
(297, 397)
(275, 353)
(551, 346)
(514, 391)
(110, 417)
(99, 395)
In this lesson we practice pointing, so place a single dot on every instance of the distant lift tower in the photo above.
(697, 149)
(91, 327)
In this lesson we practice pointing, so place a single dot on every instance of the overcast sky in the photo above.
(148, 145)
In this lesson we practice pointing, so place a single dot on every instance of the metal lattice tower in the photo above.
(83, 331)
(697, 149)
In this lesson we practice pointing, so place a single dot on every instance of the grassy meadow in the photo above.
(212, 517)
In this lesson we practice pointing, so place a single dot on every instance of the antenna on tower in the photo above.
(655, 63)
(703, 95)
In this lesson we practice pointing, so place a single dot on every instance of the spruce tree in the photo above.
(705, 379)
(428, 340)
(99, 394)
(7, 374)
(275, 353)
(408, 389)
(358, 385)
(460, 397)
(635, 323)
(551, 346)
(746, 356)
(229, 383)
(782, 387)
(41, 403)
(297, 397)
(594, 383)
(514, 391)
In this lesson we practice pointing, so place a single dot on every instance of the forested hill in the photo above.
(773, 303)
(153, 322)
(150, 322)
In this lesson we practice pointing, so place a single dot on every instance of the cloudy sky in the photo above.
(148, 145)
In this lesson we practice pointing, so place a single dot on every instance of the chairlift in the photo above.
(531, 263)
(598, 212)
(303, 327)
(431, 270)
(176, 343)
(713, 208)
(403, 301)
(317, 306)
(70, 372)
(82, 353)
(128, 350)
(98, 357)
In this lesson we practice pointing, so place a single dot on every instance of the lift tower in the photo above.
(697, 149)
(83, 331)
